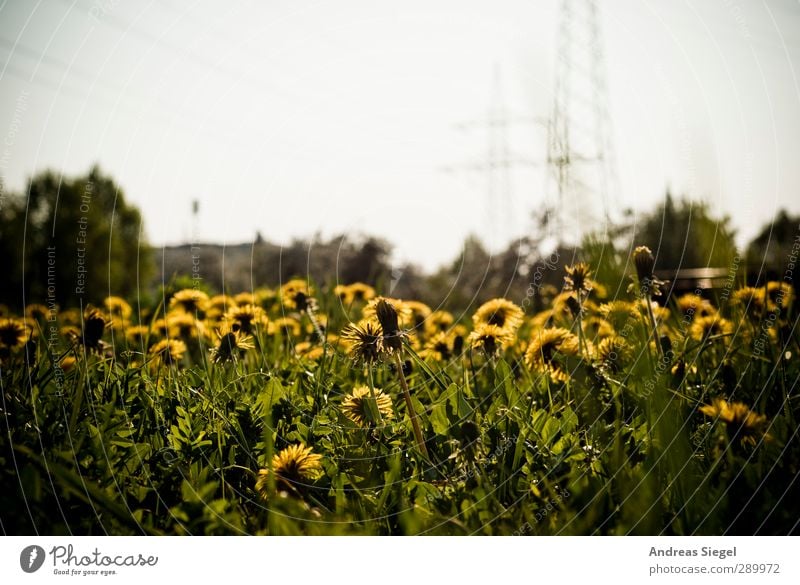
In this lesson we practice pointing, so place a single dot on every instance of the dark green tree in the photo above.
(775, 247)
(71, 240)
(686, 235)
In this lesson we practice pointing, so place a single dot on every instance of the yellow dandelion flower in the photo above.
(189, 300)
(548, 348)
(245, 298)
(364, 341)
(36, 312)
(501, 313)
(661, 314)
(13, 333)
(286, 327)
(439, 347)
(230, 345)
(692, 306)
(249, 318)
(358, 292)
(613, 353)
(490, 338)
(781, 294)
(597, 328)
(438, 321)
(293, 467)
(70, 317)
(578, 278)
(618, 313)
(419, 313)
(118, 308)
(184, 326)
(160, 328)
(168, 352)
(705, 327)
(295, 294)
(356, 408)
(67, 363)
(741, 422)
(753, 300)
(309, 351)
(137, 335)
(217, 306)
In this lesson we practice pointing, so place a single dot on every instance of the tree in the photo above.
(71, 240)
(686, 235)
(775, 247)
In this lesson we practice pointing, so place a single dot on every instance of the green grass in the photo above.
(121, 447)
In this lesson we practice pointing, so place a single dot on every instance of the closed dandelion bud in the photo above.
(574, 306)
(645, 262)
(387, 316)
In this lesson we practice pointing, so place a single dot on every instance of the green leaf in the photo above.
(270, 395)
(438, 418)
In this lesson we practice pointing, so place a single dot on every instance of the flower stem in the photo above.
(374, 405)
(411, 412)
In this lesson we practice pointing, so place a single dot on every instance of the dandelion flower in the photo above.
(618, 313)
(184, 326)
(741, 422)
(245, 298)
(545, 350)
(490, 338)
(754, 301)
(285, 326)
(36, 312)
(292, 467)
(295, 294)
(13, 333)
(355, 407)
(501, 313)
(309, 351)
(578, 278)
(613, 353)
(597, 328)
(189, 300)
(439, 347)
(248, 318)
(118, 308)
(358, 292)
(438, 321)
(781, 294)
(692, 306)
(137, 335)
(230, 343)
(705, 327)
(168, 351)
(364, 341)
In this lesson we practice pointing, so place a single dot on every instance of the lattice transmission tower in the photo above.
(498, 165)
(581, 188)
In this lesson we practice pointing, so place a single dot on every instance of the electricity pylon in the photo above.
(581, 187)
(497, 166)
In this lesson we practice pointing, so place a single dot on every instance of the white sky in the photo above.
(300, 117)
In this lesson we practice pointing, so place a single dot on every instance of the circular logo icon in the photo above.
(31, 558)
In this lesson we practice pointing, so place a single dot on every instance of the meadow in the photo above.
(332, 410)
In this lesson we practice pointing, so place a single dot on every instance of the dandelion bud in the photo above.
(645, 263)
(387, 316)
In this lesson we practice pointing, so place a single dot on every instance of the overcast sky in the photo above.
(296, 117)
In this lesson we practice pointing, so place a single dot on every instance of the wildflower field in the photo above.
(311, 409)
